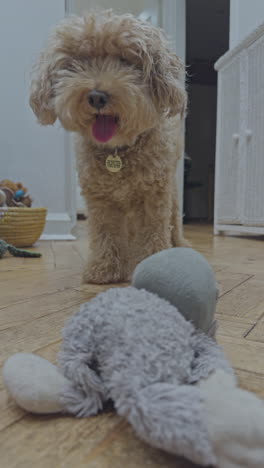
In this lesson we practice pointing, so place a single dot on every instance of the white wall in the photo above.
(37, 156)
(120, 6)
(245, 15)
(173, 14)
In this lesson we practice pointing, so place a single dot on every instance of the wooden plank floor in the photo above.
(38, 295)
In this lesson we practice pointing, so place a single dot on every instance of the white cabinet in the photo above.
(239, 181)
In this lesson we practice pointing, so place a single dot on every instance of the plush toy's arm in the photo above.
(39, 387)
(234, 419)
(35, 384)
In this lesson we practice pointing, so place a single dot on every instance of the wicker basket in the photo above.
(22, 227)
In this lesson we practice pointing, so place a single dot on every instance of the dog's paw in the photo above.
(101, 272)
(180, 242)
(184, 243)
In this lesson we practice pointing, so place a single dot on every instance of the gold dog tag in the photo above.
(113, 163)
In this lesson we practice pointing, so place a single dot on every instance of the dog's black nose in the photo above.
(97, 99)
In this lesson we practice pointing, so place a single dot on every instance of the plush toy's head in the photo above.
(109, 77)
(186, 280)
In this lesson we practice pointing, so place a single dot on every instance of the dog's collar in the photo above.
(115, 149)
(114, 158)
(122, 150)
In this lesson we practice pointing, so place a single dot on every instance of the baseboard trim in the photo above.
(57, 237)
(58, 227)
(229, 229)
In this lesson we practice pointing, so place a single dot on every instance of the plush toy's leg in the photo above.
(82, 401)
(234, 419)
(34, 383)
(78, 364)
(171, 418)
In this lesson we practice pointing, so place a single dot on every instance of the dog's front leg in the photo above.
(155, 234)
(107, 260)
(177, 236)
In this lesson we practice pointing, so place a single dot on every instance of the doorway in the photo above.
(207, 38)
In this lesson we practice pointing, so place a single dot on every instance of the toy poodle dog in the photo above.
(114, 81)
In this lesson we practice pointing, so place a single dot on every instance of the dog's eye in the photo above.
(70, 68)
(67, 65)
(73, 66)
(124, 61)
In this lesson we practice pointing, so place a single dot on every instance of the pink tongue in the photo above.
(104, 127)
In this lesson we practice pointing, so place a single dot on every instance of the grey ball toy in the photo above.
(183, 277)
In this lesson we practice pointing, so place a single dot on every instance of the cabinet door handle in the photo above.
(249, 133)
(235, 137)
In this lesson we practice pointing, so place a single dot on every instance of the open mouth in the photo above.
(105, 127)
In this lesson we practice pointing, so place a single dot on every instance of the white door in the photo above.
(169, 14)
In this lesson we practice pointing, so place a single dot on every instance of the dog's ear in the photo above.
(165, 73)
(42, 91)
(167, 83)
(62, 45)
(55, 57)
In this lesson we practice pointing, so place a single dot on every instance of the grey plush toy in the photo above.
(167, 378)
